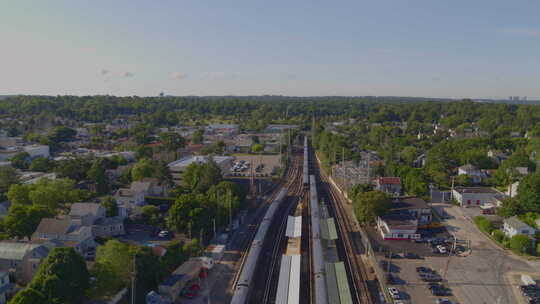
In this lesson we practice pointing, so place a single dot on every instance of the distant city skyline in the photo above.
(460, 49)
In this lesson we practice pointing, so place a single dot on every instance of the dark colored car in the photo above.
(423, 269)
(411, 255)
(392, 255)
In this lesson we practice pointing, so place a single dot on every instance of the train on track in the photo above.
(243, 286)
(318, 271)
(305, 175)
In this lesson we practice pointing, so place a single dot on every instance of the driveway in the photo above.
(481, 276)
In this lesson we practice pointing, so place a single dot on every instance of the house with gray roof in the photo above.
(85, 214)
(70, 233)
(109, 226)
(6, 288)
(22, 258)
(514, 226)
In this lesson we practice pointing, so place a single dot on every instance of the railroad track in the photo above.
(291, 171)
(306, 287)
(278, 244)
(356, 269)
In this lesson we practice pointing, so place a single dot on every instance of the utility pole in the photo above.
(215, 233)
(133, 283)
(201, 237)
(452, 190)
(230, 208)
(368, 168)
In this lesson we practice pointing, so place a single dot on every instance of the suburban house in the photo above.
(225, 129)
(497, 156)
(476, 174)
(85, 214)
(130, 199)
(109, 226)
(67, 232)
(390, 185)
(22, 258)
(178, 167)
(6, 288)
(94, 215)
(477, 196)
(513, 226)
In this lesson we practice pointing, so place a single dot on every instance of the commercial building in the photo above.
(178, 167)
(477, 196)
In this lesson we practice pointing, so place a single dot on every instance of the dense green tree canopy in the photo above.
(62, 278)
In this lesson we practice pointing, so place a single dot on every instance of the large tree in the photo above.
(190, 213)
(200, 177)
(21, 160)
(97, 174)
(22, 220)
(369, 205)
(528, 194)
(142, 169)
(111, 207)
(62, 277)
(8, 177)
(172, 141)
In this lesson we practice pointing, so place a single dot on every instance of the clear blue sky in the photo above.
(480, 48)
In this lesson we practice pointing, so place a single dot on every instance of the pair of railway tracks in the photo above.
(356, 268)
(277, 245)
(252, 230)
(263, 291)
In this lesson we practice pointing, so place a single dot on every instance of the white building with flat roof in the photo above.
(178, 167)
(477, 196)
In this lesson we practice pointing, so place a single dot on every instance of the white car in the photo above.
(393, 292)
(163, 234)
(442, 249)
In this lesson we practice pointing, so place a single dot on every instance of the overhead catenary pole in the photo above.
(133, 283)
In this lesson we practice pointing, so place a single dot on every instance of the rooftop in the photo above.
(389, 180)
(82, 209)
(54, 226)
(409, 203)
(399, 219)
(186, 161)
(515, 222)
(15, 250)
(485, 190)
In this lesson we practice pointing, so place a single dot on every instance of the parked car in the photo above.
(443, 301)
(163, 234)
(423, 269)
(90, 255)
(442, 249)
(410, 255)
(392, 255)
(394, 292)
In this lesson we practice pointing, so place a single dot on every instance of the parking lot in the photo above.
(402, 272)
(481, 276)
(260, 165)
